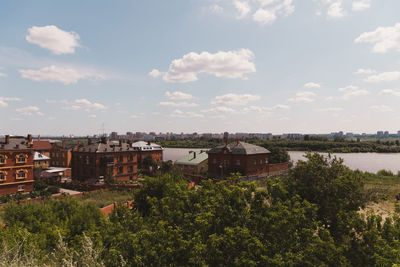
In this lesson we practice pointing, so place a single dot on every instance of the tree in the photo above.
(278, 155)
(333, 187)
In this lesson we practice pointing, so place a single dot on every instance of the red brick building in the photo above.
(103, 159)
(60, 155)
(42, 146)
(16, 165)
(245, 158)
(146, 149)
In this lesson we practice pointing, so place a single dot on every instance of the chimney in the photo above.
(104, 140)
(148, 143)
(237, 141)
(7, 139)
(64, 145)
(29, 138)
(194, 155)
(120, 142)
(38, 138)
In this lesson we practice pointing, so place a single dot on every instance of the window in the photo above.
(2, 176)
(87, 160)
(2, 160)
(238, 162)
(21, 188)
(255, 162)
(130, 168)
(215, 161)
(261, 161)
(121, 158)
(21, 158)
(266, 160)
(131, 157)
(120, 169)
(21, 175)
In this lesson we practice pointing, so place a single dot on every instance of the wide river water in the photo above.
(371, 162)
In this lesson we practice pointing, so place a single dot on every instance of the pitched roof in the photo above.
(41, 145)
(15, 143)
(193, 158)
(144, 146)
(241, 148)
(39, 156)
(105, 147)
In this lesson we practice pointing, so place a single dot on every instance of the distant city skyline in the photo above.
(283, 66)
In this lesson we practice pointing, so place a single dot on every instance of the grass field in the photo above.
(382, 191)
(104, 198)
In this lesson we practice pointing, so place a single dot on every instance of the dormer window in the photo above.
(21, 158)
(2, 160)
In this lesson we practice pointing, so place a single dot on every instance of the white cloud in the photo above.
(4, 100)
(305, 97)
(92, 116)
(234, 99)
(385, 39)
(361, 5)
(72, 107)
(3, 74)
(311, 85)
(220, 109)
(243, 8)
(332, 109)
(54, 39)
(336, 10)
(264, 16)
(264, 109)
(137, 116)
(352, 91)
(392, 92)
(365, 71)
(155, 73)
(266, 11)
(29, 111)
(65, 75)
(89, 106)
(384, 77)
(215, 9)
(177, 104)
(177, 95)
(381, 108)
(231, 64)
(180, 114)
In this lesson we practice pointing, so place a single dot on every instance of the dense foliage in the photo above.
(309, 218)
(313, 143)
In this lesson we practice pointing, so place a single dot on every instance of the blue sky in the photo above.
(280, 66)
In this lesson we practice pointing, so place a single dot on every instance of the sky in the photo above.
(269, 66)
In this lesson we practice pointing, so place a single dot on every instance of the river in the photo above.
(371, 162)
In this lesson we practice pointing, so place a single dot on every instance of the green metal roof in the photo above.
(190, 159)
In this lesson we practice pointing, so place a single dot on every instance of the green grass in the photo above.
(104, 198)
(382, 190)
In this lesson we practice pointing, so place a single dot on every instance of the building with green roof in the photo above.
(194, 163)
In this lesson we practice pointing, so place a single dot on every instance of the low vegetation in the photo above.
(309, 218)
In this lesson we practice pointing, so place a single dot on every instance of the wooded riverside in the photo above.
(309, 218)
(313, 143)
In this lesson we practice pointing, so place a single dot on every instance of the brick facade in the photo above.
(247, 159)
(103, 159)
(16, 165)
(60, 156)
